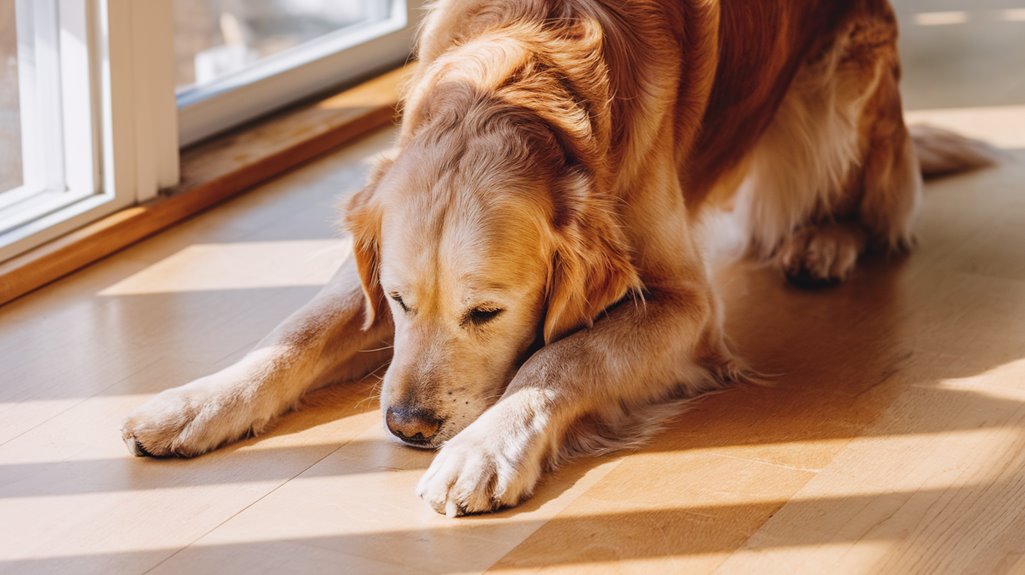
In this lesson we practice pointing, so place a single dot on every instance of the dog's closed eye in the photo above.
(398, 300)
(481, 315)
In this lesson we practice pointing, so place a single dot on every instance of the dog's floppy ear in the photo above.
(591, 268)
(363, 220)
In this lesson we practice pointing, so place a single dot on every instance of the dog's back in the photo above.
(762, 45)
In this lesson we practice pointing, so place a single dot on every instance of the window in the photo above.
(237, 59)
(215, 38)
(48, 161)
(97, 96)
(10, 116)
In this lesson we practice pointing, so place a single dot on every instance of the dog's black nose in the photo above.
(414, 426)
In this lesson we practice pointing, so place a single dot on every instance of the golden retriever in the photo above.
(534, 247)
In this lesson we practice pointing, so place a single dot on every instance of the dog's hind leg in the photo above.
(322, 342)
(835, 173)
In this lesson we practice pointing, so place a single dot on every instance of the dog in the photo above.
(534, 249)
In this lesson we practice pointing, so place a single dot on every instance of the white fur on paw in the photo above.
(825, 254)
(185, 421)
(476, 473)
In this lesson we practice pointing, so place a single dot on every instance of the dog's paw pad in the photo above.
(134, 446)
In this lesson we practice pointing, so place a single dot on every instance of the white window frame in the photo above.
(298, 73)
(115, 150)
(142, 141)
(60, 183)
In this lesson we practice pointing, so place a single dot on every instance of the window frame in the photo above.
(58, 109)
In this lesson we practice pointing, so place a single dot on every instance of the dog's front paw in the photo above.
(477, 473)
(187, 421)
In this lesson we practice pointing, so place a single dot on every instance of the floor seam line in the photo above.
(250, 504)
(80, 402)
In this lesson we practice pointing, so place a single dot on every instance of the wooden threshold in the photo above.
(212, 172)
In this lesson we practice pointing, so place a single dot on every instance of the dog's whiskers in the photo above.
(377, 349)
(375, 370)
(375, 395)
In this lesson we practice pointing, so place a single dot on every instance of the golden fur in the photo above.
(534, 247)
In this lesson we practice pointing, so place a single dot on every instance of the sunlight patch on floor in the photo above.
(30, 404)
(1005, 382)
(941, 18)
(245, 265)
(1013, 15)
(1002, 126)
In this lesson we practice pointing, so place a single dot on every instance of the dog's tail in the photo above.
(942, 152)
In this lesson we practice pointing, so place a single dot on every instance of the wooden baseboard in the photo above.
(211, 173)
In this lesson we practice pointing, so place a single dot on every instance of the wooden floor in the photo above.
(893, 440)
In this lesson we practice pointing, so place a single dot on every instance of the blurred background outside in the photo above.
(214, 38)
(10, 122)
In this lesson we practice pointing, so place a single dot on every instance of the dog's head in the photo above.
(483, 241)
